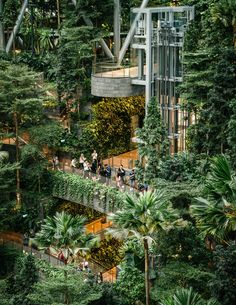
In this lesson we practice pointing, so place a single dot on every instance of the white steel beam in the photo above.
(131, 33)
(116, 28)
(17, 26)
(2, 41)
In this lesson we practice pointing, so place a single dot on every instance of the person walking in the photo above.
(56, 163)
(61, 257)
(132, 179)
(94, 168)
(73, 164)
(81, 162)
(86, 169)
(108, 174)
(121, 174)
(94, 156)
(118, 179)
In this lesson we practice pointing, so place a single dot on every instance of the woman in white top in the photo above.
(81, 161)
(86, 169)
(94, 155)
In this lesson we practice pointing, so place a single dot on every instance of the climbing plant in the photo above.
(77, 189)
(112, 122)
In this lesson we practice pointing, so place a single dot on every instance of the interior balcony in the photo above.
(110, 80)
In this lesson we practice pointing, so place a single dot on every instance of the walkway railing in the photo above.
(15, 240)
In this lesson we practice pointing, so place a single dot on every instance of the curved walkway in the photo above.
(16, 240)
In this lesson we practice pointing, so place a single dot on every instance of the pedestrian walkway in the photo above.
(16, 240)
(114, 162)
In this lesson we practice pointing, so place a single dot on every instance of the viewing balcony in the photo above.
(112, 80)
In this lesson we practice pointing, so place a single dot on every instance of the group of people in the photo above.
(96, 170)
(93, 169)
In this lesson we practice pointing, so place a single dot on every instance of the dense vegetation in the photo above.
(172, 245)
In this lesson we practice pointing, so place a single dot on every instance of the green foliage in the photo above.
(4, 296)
(56, 289)
(34, 166)
(231, 137)
(216, 215)
(112, 122)
(221, 180)
(26, 275)
(106, 254)
(49, 134)
(181, 167)
(45, 63)
(179, 193)
(86, 142)
(142, 215)
(7, 179)
(177, 275)
(77, 189)
(8, 257)
(63, 231)
(209, 82)
(130, 285)
(183, 244)
(19, 95)
(10, 12)
(75, 209)
(75, 56)
(223, 285)
(186, 297)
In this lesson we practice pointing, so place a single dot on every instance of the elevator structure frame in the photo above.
(157, 47)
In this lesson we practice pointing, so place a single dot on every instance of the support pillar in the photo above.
(148, 86)
(17, 26)
(116, 28)
(2, 40)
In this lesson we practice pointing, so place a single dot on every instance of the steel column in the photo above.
(2, 40)
(17, 26)
(116, 28)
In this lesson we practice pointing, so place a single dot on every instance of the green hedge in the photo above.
(83, 191)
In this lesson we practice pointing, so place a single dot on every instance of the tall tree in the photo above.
(141, 217)
(153, 141)
(209, 82)
(52, 288)
(21, 104)
(26, 275)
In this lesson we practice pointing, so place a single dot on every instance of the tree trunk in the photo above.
(18, 194)
(58, 15)
(147, 284)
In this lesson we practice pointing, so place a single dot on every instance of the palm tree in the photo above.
(63, 231)
(221, 181)
(66, 232)
(141, 217)
(216, 215)
(186, 297)
(216, 219)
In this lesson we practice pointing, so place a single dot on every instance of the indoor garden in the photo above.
(117, 152)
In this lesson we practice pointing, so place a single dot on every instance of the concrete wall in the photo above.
(114, 87)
